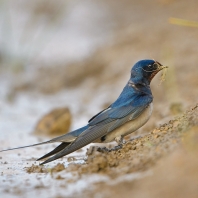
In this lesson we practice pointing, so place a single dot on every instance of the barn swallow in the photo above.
(129, 112)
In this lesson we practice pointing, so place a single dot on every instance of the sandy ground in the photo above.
(159, 160)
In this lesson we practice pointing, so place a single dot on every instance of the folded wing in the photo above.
(103, 123)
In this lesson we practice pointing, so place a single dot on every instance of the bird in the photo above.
(130, 111)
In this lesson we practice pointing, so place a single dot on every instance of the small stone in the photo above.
(59, 167)
(57, 122)
(59, 177)
(156, 131)
(156, 136)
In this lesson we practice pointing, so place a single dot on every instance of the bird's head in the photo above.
(145, 70)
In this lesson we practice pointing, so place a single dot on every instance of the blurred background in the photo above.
(72, 58)
(78, 54)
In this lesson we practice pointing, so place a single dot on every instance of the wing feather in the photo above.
(103, 123)
(85, 138)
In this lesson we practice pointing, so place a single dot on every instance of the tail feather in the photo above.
(56, 150)
(67, 138)
(56, 156)
(47, 142)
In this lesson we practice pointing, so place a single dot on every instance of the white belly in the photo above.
(130, 126)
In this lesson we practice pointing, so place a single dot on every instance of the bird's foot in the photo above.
(106, 150)
(120, 140)
(103, 149)
(91, 150)
(116, 148)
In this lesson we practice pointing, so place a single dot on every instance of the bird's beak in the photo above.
(160, 66)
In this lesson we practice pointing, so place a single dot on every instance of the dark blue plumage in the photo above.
(129, 112)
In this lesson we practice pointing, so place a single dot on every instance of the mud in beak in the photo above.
(160, 66)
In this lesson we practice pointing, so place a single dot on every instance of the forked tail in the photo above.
(47, 142)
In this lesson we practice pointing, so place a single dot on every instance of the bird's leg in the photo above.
(120, 141)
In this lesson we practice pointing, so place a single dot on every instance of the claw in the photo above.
(116, 148)
(103, 149)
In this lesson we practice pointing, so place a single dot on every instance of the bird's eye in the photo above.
(155, 66)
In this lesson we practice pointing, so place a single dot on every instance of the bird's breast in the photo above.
(130, 126)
